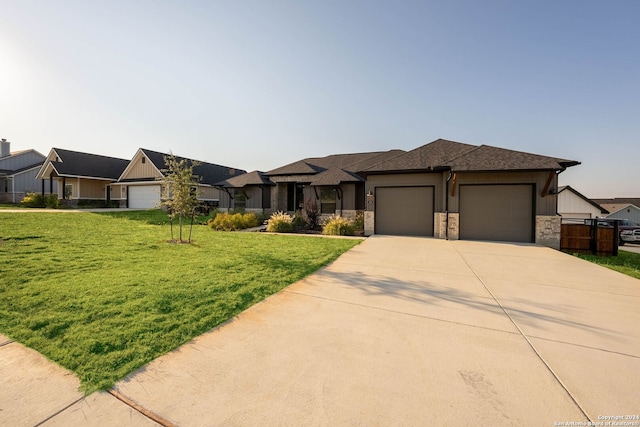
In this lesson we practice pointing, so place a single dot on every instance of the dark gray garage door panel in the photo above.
(404, 211)
(496, 212)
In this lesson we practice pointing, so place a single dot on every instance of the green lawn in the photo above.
(626, 262)
(103, 295)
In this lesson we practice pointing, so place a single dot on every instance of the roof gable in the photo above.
(209, 173)
(583, 197)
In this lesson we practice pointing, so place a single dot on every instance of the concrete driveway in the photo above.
(405, 331)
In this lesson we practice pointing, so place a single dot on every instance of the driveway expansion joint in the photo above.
(586, 346)
(145, 412)
(535, 350)
(402, 313)
(2, 344)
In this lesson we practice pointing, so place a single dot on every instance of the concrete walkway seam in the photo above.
(133, 405)
(535, 350)
(2, 344)
(59, 412)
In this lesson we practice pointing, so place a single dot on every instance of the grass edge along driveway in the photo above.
(104, 295)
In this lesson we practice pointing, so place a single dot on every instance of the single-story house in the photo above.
(573, 204)
(332, 182)
(80, 176)
(140, 184)
(134, 183)
(453, 190)
(250, 191)
(18, 172)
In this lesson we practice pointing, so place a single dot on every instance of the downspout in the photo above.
(446, 207)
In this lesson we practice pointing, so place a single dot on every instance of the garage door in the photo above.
(144, 196)
(496, 212)
(404, 211)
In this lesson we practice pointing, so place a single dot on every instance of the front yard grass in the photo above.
(103, 295)
(626, 262)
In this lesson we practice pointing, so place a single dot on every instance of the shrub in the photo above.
(250, 220)
(336, 225)
(358, 222)
(311, 214)
(34, 200)
(51, 201)
(232, 222)
(298, 221)
(280, 222)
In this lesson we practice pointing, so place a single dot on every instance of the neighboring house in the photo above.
(453, 190)
(80, 176)
(572, 204)
(18, 172)
(332, 182)
(622, 208)
(140, 183)
(250, 191)
(134, 183)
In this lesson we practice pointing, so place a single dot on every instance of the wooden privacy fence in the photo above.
(589, 236)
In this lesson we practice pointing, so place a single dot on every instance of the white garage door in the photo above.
(144, 196)
(404, 211)
(496, 212)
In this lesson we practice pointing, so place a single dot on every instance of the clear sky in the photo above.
(256, 84)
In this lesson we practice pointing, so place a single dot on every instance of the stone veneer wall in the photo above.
(548, 231)
(368, 223)
(440, 225)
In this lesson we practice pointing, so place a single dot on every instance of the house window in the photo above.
(328, 201)
(144, 159)
(68, 191)
(239, 200)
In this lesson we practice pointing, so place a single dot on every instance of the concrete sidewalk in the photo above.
(400, 331)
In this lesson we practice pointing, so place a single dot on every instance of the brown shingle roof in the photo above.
(443, 154)
(334, 176)
(619, 201)
(353, 162)
(241, 181)
(488, 158)
(427, 157)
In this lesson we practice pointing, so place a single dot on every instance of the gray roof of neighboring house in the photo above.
(74, 163)
(241, 181)
(583, 197)
(210, 173)
(443, 154)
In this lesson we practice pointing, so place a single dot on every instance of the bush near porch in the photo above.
(104, 294)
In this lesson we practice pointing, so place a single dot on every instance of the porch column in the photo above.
(42, 186)
(51, 183)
